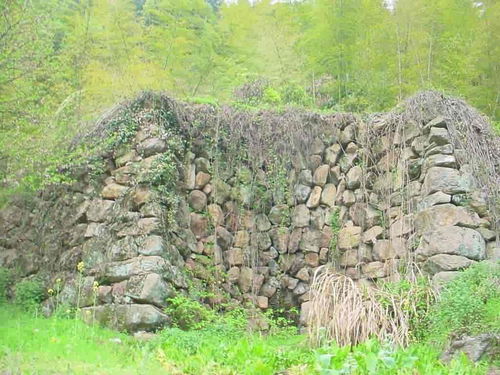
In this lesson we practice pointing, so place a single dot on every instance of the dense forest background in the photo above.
(62, 62)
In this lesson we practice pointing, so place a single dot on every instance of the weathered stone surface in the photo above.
(143, 227)
(280, 237)
(364, 215)
(401, 226)
(301, 216)
(199, 224)
(439, 160)
(310, 241)
(293, 243)
(446, 262)
(201, 180)
(216, 214)
(241, 239)
(305, 177)
(150, 289)
(321, 175)
(113, 191)
(245, 280)
(349, 238)
(141, 196)
(197, 200)
(431, 200)
(383, 250)
(99, 210)
(152, 146)
(354, 177)
(301, 193)
(348, 198)
(445, 215)
(235, 257)
(261, 240)
(372, 234)
(280, 215)
(312, 259)
(493, 251)
(131, 318)
(328, 195)
(488, 234)
(474, 347)
(439, 136)
(314, 198)
(118, 271)
(202, 165)
(223, 237)
(373, 270)
(190, 176)
(262, 223)
(332, 154)
(152, 245)
(447, 180)
(453, 240)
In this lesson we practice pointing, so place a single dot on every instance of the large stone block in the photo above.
(445, 215)
(130, 318)
(452, 240)
(150, 289)
(446, 262)
(447, 180)
(349, 238)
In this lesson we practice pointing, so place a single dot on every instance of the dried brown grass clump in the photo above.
(343, 312)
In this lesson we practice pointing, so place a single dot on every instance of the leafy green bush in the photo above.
(28, 294)
(469, 304)
(374, 358)
(186, 313)
(5, 280)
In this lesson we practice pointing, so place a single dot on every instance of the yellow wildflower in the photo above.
(80, 267)
(50, 291)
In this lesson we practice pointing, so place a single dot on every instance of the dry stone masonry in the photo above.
(370, 198)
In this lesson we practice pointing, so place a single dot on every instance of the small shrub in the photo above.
(5, 281)
(29, 294)
(187, 313)
(469, 304)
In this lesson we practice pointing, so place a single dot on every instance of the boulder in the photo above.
(328, 195)
(150, 289)
(301, 193)
(262, 223)
(447, 180)
(235, 257)
(197, 200)
(152, 146)
(446, 262)
(99, 210)
(280, 215)
(130, 318)
(199, 224)
(321, 175)
(445, 215)
(332, 154)
(311, 241)
(452, 240)
(349, 238)
(301, 216)
(280, 237)
(474, 347)
(202, 165)
(354, 177)
(113, 191)
(314, 198)
(152, 245)
(439, 136)
(305, 177)
(431, 200)
(201, 179)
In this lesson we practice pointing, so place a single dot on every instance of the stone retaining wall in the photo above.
(372, 200)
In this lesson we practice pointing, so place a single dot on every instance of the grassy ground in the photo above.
(35, 345)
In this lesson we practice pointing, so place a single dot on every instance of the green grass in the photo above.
(35, 345)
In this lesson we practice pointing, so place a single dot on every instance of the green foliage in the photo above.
(28, 294)
(416, 298)
(187, 313)
(374, 358)
(470, 304)
(5, 281)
